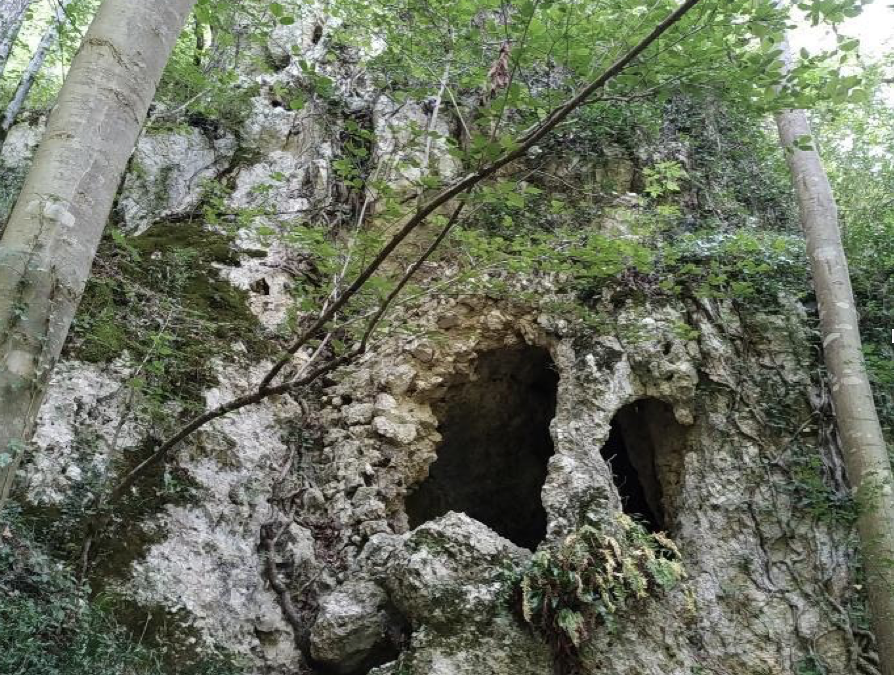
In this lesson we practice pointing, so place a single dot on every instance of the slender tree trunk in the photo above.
(12, 14)
(865, 454)
(199, 30)
(51, 238)
(50, 37)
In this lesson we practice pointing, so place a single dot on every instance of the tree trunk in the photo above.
(12, 14)
(865, 454)
(50, 37)
(51, 238)
(199, 30)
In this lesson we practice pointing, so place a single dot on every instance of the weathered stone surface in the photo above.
(443, 572)
(167, 172)
(209, 564)
(15, 160)
(379, 431)
(358, 413)
(291, 171)
(21, 142)
(84, 419)
(351, 624)
(502, 648)
(445, 578)
(403, 163)
(401, 433)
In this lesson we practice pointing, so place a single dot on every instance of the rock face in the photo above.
(209, 563)
(167, 175)
(351, 627)
(397, 559)
(15, 160)
(717, 502)
(764, 580)
(83, 421)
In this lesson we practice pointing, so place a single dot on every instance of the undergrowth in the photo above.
(50, 624)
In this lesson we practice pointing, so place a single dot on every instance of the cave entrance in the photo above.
(492, 460)
(644, 451)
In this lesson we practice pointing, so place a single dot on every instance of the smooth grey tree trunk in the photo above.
(53, 232)
(865, 453)
(12, 14)
(50, 37)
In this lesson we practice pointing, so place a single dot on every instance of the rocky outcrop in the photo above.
(352, 627)
(15, 160)
(168, 173)
(767, 583)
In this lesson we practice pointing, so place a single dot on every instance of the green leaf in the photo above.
(803, 143)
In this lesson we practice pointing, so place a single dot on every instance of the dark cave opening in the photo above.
(644, 450)
(492, 460)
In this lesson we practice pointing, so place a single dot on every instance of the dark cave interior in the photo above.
(644, 451)
(492, 460)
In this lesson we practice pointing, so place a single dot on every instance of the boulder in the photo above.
(352, 625)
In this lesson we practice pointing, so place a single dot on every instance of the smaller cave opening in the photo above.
(492, 460)
(644, 451)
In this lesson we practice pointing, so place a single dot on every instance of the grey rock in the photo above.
(358, 413)
(396, 431)
(351, 624)
(444, 571)
(166, 175)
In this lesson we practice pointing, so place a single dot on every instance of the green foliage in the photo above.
(50, 624)
(591, 579)
(753, 267)
(810, 665)
(38, 18)
(812, 494)
(663, 178)
(210, 99)
(729, 51)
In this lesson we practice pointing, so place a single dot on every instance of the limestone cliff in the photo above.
(382, 522)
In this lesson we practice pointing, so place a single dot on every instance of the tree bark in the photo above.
(50, 37)
(865, 453)
(52, 235)
(12, 14)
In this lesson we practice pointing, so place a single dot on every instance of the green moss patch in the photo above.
(160, 296)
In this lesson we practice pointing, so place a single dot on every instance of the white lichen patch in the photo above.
(87, 412)
(208, 564)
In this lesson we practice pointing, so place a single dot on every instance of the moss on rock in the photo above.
(160, 297)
